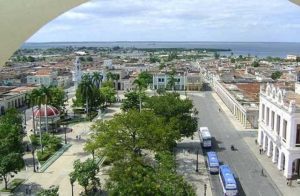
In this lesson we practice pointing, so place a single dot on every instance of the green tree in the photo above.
(46, 97)
(85, 173)
(97, 79)
(276, 75)
(127, 134)
(58, 97)
(132, 100)
(255, 64)
(139, 177)
(153, 58)
(11, 147)
(172, 80)
(109, 94)
(175, 111)
(146, 77)
(86, 90)
(216, 55)
(89, 59)
(140, 85)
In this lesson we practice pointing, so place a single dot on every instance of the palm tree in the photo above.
(46, 97)
(140, 85)
(172, 80)
(86, 90)
(37, 96)
(97, 79)
(109, 76)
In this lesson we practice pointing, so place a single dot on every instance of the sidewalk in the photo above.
(266, 162)
(186, 161)
(58, 172)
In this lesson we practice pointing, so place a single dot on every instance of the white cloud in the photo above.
(156, 20)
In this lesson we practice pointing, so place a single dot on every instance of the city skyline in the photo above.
(197, 20)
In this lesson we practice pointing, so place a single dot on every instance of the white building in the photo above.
(291, 57)
(43, 77)
(76, 72)
(161, 80)
(279, 128)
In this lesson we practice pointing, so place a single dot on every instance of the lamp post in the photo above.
(72, 185)
(33, 160)
(65, 134)
(197, 161)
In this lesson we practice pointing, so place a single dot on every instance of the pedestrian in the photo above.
(37, 168)
(262, 172)
(79, 137)
(26, 190)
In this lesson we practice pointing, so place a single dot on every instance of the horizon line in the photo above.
(160, 42)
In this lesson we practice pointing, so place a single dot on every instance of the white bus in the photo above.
(205, 137)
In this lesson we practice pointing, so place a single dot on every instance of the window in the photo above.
(278, 125)
(298, 136)
(272, 120)
(268, 113)
(161, 80)
(284, 130)
(263, 112)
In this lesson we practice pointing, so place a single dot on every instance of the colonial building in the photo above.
(241, 99)
(161, 80)
(44, 77)
(279, 127)
(13, 97)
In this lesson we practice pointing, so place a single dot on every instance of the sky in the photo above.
(176, 20)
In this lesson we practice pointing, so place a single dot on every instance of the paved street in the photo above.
(245, 166)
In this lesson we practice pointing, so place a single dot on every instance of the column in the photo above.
(279, 162)
(274, 158)
(288, 167)
(264, 142)
(275, 122)
(269, 147)
(259, 136)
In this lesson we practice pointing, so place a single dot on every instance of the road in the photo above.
(243, 163)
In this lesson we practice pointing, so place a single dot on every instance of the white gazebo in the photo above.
(41, 114)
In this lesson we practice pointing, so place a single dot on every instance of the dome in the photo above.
(51, 111)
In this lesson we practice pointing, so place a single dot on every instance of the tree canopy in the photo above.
(174, 110)
(85, 173)
(10, 144)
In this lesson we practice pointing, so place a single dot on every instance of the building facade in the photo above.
(279, 128)
(161, 80)
(43, 77)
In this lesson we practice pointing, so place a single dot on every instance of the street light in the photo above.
(33, 160)
(65, 134)
(197, 170)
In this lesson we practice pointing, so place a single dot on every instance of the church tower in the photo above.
(76, 73)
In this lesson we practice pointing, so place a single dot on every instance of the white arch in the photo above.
(20, 19)
(295, 1)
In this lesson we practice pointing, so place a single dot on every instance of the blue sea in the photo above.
(260, 49)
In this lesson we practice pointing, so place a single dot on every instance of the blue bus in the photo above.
(227, 180)
(212, 162)
(205, 137)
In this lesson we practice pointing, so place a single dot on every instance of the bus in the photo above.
(205, 137)
(212, 162)
(227, 181)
